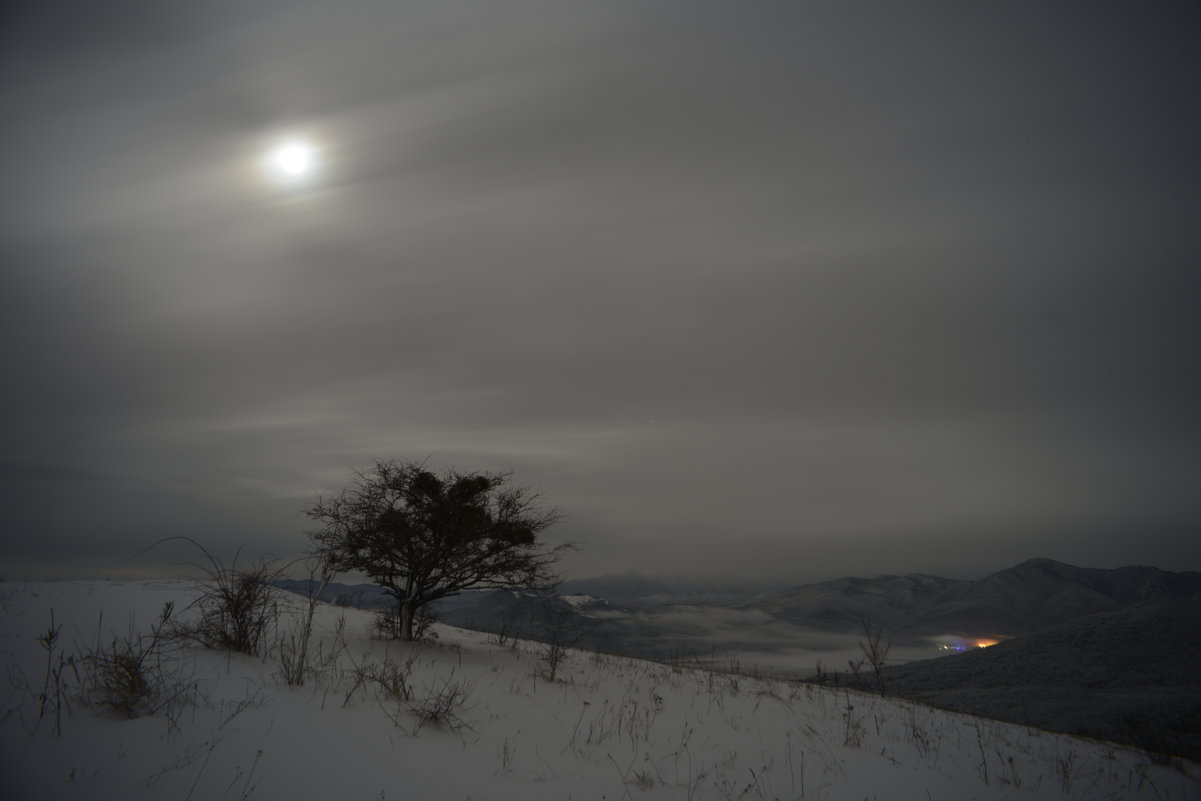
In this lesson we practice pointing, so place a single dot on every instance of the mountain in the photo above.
(1040, 593)
(843, 604)
(1023, 599)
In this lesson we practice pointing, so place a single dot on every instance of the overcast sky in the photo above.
(790, 291)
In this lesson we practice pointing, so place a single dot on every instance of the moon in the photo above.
(292, 161)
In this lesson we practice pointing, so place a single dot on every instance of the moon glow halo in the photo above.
(292, 161)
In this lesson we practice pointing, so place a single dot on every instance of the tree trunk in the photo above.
(407, 612)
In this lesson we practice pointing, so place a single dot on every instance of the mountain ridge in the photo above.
(1018, 600)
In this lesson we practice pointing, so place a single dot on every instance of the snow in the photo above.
(607, 728)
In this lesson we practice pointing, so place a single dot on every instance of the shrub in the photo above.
(132, 676)
(294, 646)
(442, 704)
(390, 678)
(236, 605)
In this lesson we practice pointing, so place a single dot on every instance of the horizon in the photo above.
(781, 293)
(187, 572)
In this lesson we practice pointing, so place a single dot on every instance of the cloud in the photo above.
(750, 292)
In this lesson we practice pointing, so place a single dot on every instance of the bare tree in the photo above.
(423, 536)
(875, 650)
(561, 630)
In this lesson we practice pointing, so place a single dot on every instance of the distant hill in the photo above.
(360, 596)
(1020, 600)
(1040, 593)
(1130, 676)
(620, 588)
(631, 587)
(366, 596)
(579, 620)
(1023, 599)
(843, 604)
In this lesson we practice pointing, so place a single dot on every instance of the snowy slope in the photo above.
(607, 728)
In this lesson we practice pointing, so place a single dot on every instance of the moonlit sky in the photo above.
(786, 291)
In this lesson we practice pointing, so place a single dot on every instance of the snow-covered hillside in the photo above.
(465, 717)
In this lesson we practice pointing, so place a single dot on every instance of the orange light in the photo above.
(986, 643)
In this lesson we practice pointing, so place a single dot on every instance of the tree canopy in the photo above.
(424, 536)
